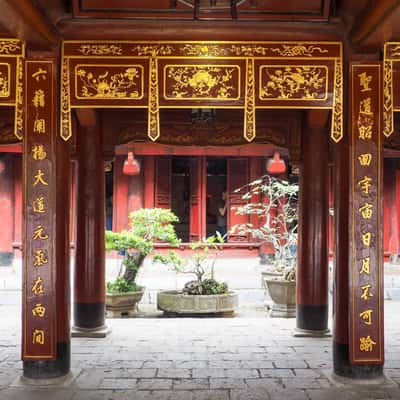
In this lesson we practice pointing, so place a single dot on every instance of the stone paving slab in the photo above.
(198, 359)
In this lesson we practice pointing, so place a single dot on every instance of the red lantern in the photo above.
(276, 166)
(131, 165)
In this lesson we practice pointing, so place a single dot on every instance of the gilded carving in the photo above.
(153, 129)
(192, 82)
(153, 50)
(9, 46)
(66, 131)
(203, 49)
(300, 82)
(298, 50)
(394, 51)
(248, 50)
(99, 83)
(387, 98)
(249, 111)
(337, 110)
(19, 100)
(100, 49)
(4, 80)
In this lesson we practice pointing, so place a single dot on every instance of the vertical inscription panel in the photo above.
(39, 328)
(366, 311)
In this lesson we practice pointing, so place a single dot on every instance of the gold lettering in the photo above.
(39, 178)
(38, 152)
(38, 205)
(365, 159)
(365, 265)
(366, 292)
(39, 98)
(37, 287)
(39, 126)
(39, 233)
(365, 184)
(364, 132)
(366, 344)
(366, 238)
(40, 258)
(40, 73)
(38, 336)
(365, 80)
(366, 316)
(366, 211)
(38, 310)
(365, 106)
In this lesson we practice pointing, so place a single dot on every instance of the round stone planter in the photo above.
(123, 304)
(175, 302)
(283, 295)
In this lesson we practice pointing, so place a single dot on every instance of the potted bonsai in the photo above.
(204, 294)
(146, 227)
(274, 202)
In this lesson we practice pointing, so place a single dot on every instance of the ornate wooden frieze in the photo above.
(12, 52)
(243, 75)
(366, 302)
(39, 314)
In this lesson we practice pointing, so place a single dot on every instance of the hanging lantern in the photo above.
(276, 166)
(2, 166)
(131, 165)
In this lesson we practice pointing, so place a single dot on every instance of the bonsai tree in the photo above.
(200, 264)
(274, 202)
(146, 227)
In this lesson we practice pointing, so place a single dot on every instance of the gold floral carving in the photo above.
(66, 131)
(205, 50)
(298, 50)
(19, 100)
(153, 50)
(387, 98)
(99, 83)
(100, 49)
(153, 128)
(249, 132)
(248, 50)
(394, 51)
(9, 46)
(337, 107)
(4, 80)
(293, 82)
(193, 82)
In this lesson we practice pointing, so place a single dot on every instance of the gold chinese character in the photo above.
(365, 265)
(39, 178)
(38, 310)
(366, 238)
(365, 159)
(38, 205)
(39, 126)
(40, 73)
(365, 106)
(40, 258)
(365, 184)
(365, 80)
(366, 316)
(38, 152)
(364, 132)
(366, 211)
(366, 343)
(366, 292)
(38, 336)
(39, 233)
(38, 99)
(37, 287)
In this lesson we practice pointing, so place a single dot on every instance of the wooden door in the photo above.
(237, 176)
(197, 198)
(162, 195)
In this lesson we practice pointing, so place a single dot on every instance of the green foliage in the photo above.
(121, 286)
(274, 202)
(146, 227)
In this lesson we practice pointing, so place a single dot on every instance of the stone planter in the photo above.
(283, 295)
(123, 304)
(176, 303)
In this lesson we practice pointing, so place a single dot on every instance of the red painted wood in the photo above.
(135, 192)
(195, 199)
(388, 203)
(73, 202)
(11, 148)
(163, 182)
(120, 196)
(17, 200)
(397, 244)
(7, 203)
(149, 183)
(237, 176)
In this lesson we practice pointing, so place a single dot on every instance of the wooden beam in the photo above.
(27, 22)
(317, 118)
(377, 16)
(87, 117)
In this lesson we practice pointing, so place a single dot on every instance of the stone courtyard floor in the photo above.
(247, 357)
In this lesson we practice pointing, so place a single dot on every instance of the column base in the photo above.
(44, 369)
(99, 332)
(297, 332)
(282, 310)
(343, 368)
(312, 317)
(62, 381)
